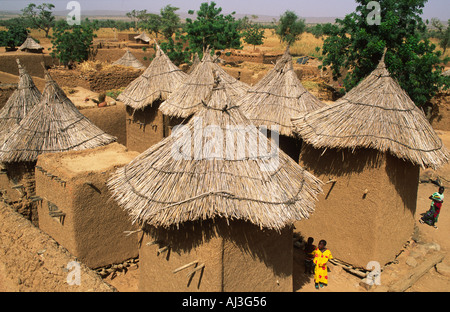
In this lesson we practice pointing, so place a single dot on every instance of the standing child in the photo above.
(321, 257)
(431, 216)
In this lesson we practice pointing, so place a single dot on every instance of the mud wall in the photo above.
(77, 209)
(32, 62)
(237, 257)
(31, 261)
(144, 128)
(111, 119)
(366, 212)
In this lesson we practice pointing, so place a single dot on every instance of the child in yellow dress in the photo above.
(321, 257)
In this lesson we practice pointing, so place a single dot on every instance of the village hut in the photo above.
(146, 125)
(76, 209)
(142, 38)
(53, 125)
(23, 99)
(275, 99)
(213, 205)
(30, 45)
(368, 148)
(190, 95)
(128, 59)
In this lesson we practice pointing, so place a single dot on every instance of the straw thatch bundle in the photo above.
(187, 99)
(277, 97)
(31, 45)
(128, 59)
(143, 37)
(195, 62)
(158, 81)
(376, 114)
(174, 182)
(53, 125)
(19, 103)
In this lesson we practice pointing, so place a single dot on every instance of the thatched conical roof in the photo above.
(53, 125)
(158, 81)
(19, 103)
(143, 36)
(176, 181)
(277, 97)
(187, 99)
(30, 44)
(376, 114)
(128, 59)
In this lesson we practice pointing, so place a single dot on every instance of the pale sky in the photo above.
(304, 8)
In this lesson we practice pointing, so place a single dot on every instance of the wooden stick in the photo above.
(185, 266)
(161, 250)
(200, 267)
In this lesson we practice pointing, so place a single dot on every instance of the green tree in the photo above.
(254, 35)
(357, 44)
(290, 27)
(170, 21)
(72, 43)
(136, 16)
(40, 16)
(213, 29)
(15, 35)
(152, 23)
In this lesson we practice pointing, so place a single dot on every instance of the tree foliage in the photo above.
(358, 45)
(170, 21)
(290, 27)
(442, 33)
(40, 16)
(254, 35)
(15, 35)
(213, 29)
(72, 43)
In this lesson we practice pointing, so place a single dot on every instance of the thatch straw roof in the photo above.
(187, 99)
(158, 81)
(19, 103)
(144, 37)
(446, 73)
(162, 188)
(53, 125)
(128, 59)
(30, 44)
(376, 114)
(277, 97)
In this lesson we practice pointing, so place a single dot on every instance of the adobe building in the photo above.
(367, 148)
(76, 207)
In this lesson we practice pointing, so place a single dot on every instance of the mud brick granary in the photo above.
(367, 148)
(146, 125)
(76, 207)
(275, 99)
(215, 221)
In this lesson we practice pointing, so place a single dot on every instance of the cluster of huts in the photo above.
(202, 209)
